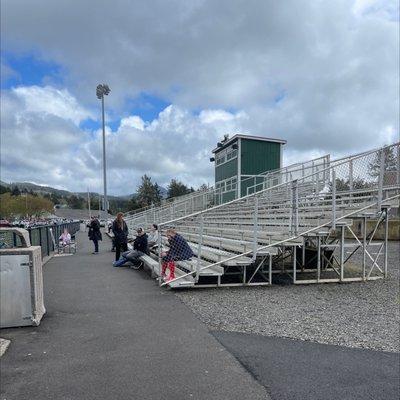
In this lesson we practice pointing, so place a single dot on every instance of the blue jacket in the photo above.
(179, 249)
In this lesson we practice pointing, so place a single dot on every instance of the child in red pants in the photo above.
(178, 250)
(171, 266)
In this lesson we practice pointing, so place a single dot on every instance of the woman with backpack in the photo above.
(120, 231)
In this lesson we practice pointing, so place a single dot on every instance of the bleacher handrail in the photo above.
(213, 192)
(333, 164)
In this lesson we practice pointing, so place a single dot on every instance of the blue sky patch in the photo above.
(29, 71)
(92, 125)
(147, 106)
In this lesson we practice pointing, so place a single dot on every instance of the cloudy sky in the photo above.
(324, 75)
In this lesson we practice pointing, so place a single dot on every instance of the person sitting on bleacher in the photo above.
(153, 237)
(179, 250)
(139, 249)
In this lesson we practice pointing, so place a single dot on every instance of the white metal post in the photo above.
(398, 164)
(295, 208)
(294, 263)
(270, 268)
(364, 245)
(199, 245)
(386, 242)
(333, 199)
(255, 228)
(351, 179)
(380, 183)
(318, 258)
(342, 253)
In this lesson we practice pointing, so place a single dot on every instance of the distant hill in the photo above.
(36, 188)
(60, 192)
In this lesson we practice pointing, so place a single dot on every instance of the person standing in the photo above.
(120, 231)
(95, 234)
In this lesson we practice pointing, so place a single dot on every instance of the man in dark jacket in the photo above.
(95, 234)
(139, 249)
(179, 250)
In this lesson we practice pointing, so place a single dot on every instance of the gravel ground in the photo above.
(364, 315)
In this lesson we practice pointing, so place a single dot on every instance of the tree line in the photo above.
(24, 202)
(149, 193)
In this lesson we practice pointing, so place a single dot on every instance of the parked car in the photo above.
(4, 223)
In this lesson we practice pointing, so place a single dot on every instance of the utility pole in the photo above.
(88, 199)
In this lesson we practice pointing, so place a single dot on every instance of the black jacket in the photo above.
(120, 233)
(140, 243)
(94, 230)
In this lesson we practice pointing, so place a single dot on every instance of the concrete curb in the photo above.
(4, 343)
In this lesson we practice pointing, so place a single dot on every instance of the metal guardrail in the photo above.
(203, 200)
(40, 236)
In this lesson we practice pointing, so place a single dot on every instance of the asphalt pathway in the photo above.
(112, 333)
(299, 370)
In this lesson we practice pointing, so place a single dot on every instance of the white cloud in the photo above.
(42, 144)
(322, 75)
(211, 116)
(387, 9)
(51, 101)
(134, 122)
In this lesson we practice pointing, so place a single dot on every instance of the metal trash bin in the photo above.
(21, 283)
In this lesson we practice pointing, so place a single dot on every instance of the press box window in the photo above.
(232, 153)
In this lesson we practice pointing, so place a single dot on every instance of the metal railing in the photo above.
(40, 236)
(287, 174)
(202, 200)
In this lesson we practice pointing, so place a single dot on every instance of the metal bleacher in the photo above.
(298, 228)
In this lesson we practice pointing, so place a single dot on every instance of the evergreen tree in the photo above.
(133, 204)
(157, 194)
(76, 202)
(4, 189)
(148, 193)
(15, 191)
(177, 188)
(55, 198)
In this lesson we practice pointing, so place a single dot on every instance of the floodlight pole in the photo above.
(105, 208)
(102, 90)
